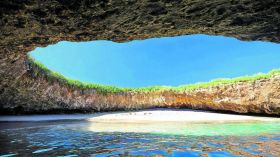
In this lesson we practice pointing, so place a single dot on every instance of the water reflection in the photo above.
(106, 139)
(193, 129)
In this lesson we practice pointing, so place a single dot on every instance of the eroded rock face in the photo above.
(26, 24)
(260, 96)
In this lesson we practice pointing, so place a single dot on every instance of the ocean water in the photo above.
(82, 138)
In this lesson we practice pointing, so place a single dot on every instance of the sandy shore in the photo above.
(154, 115)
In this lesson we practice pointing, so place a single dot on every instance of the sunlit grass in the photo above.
(40, 69)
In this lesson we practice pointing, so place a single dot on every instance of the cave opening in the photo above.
(166, 61)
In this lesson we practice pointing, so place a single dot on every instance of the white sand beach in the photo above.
(152, 115)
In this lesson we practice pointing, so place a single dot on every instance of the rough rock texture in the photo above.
(26, 24)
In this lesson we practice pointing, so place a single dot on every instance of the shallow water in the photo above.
(80, 138)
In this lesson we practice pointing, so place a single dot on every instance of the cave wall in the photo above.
(27, 24)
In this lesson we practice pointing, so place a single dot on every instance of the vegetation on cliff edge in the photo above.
(40, 69)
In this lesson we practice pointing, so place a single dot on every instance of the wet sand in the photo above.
(152, 115)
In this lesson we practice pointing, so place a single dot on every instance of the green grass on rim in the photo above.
(52, 75)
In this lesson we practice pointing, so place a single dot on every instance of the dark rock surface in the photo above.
(26, 24)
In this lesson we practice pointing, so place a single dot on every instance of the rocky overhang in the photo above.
(27, 24)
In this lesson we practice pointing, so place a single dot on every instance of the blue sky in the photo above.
(159, 61)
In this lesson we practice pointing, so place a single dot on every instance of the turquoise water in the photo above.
(190, 129)
(159, 61)
(80, 138)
